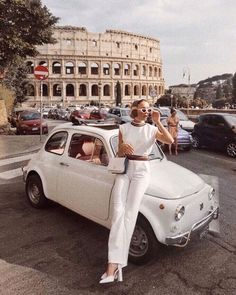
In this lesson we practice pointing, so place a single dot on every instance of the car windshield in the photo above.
(125, 112)
(182, 116)
(155, 153)
(231, 120)
(30, 116)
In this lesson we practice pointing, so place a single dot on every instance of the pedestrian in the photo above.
(136, 140)
(173, 123)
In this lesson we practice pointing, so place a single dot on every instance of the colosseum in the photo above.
(85, 67)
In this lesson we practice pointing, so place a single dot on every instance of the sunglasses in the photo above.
(144, 110)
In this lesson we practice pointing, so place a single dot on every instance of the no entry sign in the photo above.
(40, 72)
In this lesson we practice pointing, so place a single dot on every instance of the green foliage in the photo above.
(215, 79)
(23, 25)
(219, 93)
(118, 93)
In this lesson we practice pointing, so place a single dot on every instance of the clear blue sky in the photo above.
(195, 35)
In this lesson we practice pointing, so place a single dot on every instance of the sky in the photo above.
(197, 38)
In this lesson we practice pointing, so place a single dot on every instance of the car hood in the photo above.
(171, 181)
(186, 124)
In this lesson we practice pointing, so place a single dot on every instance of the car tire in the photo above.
(231, 149)
(35, 193)
(196, 142)
(143, 244)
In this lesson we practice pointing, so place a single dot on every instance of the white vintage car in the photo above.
(71, 169)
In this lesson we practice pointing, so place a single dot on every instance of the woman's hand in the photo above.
(156, 117)
(126, 149)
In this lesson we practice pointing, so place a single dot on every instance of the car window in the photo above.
(30, 116)
(88, 148)
(56, 143)
(155, 153)
(218, 121)
(125, 112)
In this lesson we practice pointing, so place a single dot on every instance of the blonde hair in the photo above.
(134, 107)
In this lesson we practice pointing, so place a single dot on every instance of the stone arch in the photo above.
(116, 69)
(30, 67)
(155, 71)
(70, 90)
(56, 90)
(150, 71)
(106, 90)
(43, 63)
(94, 69)
(149, 89)
(144, 90)
(82, 90)
(82, 68)
(106, 69)
(136, 70)
(136, 90)
(94, 90)
(127, 89)
(144, 70)
(69, 68)
(127, 70)
(56, 67)
(159, 72)
(45, 89)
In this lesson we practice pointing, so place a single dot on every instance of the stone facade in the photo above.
(85, 66)
(3, 114)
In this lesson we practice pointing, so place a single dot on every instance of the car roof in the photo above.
(221, 114)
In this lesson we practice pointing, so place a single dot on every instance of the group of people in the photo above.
(136, 140)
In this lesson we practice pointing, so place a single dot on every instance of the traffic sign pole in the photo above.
(41, 115)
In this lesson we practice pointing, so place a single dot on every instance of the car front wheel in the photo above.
(143, 244)
(196, 142)
(231, 149)
(34, 192)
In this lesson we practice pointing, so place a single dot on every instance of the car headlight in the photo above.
(179, 212)
(211, 194)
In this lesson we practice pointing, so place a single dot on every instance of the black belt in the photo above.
(137, 158)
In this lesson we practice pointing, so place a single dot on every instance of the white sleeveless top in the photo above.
(141, 138)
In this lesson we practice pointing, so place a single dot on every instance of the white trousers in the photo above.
(127, 195)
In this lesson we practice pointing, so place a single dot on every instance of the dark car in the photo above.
(121, 115)
(216, 131)
(29, 123)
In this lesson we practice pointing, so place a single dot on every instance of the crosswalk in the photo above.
(12, 167)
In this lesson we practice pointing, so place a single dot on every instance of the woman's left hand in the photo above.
(156, 117)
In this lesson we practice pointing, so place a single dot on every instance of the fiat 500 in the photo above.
(71, 169)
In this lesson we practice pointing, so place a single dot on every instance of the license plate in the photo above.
(35, 128)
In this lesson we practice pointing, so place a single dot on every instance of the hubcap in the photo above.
(139, 242)
(231, 149)
(34, 193)
(195, 142)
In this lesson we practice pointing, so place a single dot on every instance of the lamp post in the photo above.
(99, 94)
(186, 71)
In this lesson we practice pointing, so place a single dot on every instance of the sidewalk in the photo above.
(15, 145)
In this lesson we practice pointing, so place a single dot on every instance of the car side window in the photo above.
(88, 148)
(56, 143)
(219, 121)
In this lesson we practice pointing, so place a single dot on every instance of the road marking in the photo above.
(11, 174)
(15, 159)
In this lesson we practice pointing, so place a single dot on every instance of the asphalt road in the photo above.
(55, 251)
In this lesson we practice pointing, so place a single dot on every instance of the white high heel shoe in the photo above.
(117, 276)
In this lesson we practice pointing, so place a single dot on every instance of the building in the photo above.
(85, 66)
(183, 90)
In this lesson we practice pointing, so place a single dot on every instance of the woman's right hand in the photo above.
(126, 149)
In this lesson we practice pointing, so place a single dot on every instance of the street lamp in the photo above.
(186, 72)
(99, 93)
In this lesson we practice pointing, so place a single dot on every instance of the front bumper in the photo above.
(198, 227)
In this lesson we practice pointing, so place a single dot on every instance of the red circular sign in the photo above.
(41, 72)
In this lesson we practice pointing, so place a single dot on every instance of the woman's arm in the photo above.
(124, 148)
(162, 134)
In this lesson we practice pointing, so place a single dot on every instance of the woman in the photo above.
(173, 122)
(136, 140)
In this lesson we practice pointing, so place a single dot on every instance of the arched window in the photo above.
(94, 90)
(150, 89)
(70, 90)
(95, 44)
(106, 69)
(150, 71)
(56, 67)
(127, 90)
(69, 68)
(156, 89)
(135, 71)
(43, 63)
(160, 92)
(82, 68)
(159, 72)
(56, 90)
(82, 90)
(155, 72)
(127, 70)
(45, 90)
(144, 71)
(136, 90)
(106, 90)
(30, 67)
(117, 69)
(144, 90)
(29, 89)
(94, 69)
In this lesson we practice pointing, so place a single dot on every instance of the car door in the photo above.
(215, 132)
(89, 184)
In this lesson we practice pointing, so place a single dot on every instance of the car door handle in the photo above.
(64, 164)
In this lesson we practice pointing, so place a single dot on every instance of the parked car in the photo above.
(71, 169)
(98, 114)
(13, 116)
(28, 122)
(121, 115)
(81, 114)
(216, 131)
(184, 122)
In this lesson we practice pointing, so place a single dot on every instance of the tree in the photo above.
(24, 24)
(219, 93)
(234, 89)
(118, 93)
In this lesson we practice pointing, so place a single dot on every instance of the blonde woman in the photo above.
(136, 140)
